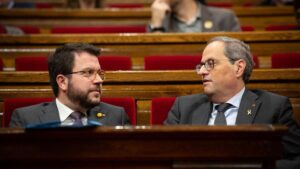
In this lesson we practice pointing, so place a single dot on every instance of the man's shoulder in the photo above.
(263, 93)
(35, 107)
(108, 107)
(194, 97)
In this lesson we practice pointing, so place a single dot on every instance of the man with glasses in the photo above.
(225, 68)
(76, 79)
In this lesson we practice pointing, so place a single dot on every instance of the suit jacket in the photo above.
(47, 112)
(265, 107)
(213, 20)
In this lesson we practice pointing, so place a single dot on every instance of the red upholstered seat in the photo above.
(31, 63)
(175, 62)
(280, 27)
(1, 64)
(2, 29)
(247, 28)
(160, 107)
(127, 102)
(256, 61)
(30, 29)
(286, 60)
(115, 62)
(11, 104)
(100, 29)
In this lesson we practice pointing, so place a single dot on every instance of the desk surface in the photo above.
(142, 146)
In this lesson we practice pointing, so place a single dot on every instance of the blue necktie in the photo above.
(221, 119)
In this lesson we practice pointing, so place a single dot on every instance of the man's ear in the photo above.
(62, 82)
(240, 67)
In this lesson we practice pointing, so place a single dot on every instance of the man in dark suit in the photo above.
(191, 16)
(225, 68)
(76, 79)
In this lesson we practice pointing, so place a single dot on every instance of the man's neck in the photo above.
(186, 11)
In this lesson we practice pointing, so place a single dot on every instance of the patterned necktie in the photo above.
(77, 116)
(221, 119)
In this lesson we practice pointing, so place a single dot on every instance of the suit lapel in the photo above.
(202, 113)
(49, 113)
(248, 108)
(99, 114)
(207, 20)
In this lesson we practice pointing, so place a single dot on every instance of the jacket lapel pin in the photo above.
(100, 115)
(208, 24)
(249, 112)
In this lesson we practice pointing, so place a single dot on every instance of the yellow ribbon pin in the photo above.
(100, 115)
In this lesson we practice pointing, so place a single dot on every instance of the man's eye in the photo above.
(90, 72)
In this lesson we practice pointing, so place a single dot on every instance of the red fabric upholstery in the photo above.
(280, 27)
(127, 102)
(286, 60)
(115, 62)
(1, 64)
(100, 29)
(171, 62)
(43, 5)
(12, 103)
(125, 5)
(159, 109)
(247, 28)
(30, 29)
(2, 29)
(31, 63)
(256, 61)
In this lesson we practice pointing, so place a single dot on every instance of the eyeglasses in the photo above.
(90, 73)
(209, 64)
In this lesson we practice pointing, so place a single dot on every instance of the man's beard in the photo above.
(80, 98)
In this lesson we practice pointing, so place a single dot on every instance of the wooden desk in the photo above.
(263, 44)
(145, 85)
(258, 17)
(143, 147)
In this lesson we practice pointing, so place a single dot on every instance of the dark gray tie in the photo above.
(77, 116)
(221, 119)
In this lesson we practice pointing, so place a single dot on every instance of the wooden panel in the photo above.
(143, 147)
(259, 17)
(263, 44)
(145, 85)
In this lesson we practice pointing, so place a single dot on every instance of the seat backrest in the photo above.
(247, 28)
(1, 64)
(128, 103)
(30, 29)
(115, 62)
(100, 29)
(2, 29)
(175, 62)
(31, 63)
(256, 61)
(10, 104)
(286, 60)
(160, 107)
(280, 27)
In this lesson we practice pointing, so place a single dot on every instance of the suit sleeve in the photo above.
(125, 118)
(15, 120)
(291, 141)
(174, 114)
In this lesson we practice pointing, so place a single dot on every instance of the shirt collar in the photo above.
(63, 111)
(236, 99)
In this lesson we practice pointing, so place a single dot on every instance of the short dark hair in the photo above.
(62, 60)
(235, 49)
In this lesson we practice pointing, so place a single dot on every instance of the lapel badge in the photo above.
(249, 112)
(208, 24)
(100, 115)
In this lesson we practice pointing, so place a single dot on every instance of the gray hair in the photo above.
(234, 50)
